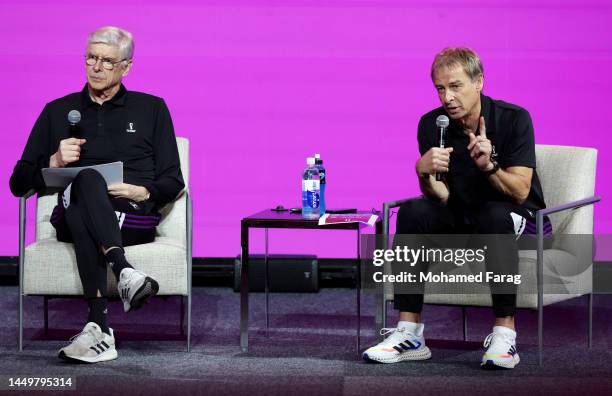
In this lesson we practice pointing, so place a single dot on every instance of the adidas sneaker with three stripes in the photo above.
(406, 342)
(135, 288)
(91, 346)
(501, 349)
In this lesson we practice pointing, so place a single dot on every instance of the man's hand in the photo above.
(129, 191)
(480, 148)
(436, 160)
(69, 151)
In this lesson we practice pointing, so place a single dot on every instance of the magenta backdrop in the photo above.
(257, 85)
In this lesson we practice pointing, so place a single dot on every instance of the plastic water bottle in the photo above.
(321, 169)
(311, 189)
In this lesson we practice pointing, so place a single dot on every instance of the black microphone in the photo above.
(442, 123)
(74, 117)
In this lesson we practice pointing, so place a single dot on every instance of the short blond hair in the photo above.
(458, 56)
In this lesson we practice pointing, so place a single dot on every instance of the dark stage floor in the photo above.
(310, 348)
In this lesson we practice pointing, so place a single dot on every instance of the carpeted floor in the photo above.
(310, 348)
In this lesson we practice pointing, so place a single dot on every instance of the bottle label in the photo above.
(311, 188)
(313, 199)
(311, 185)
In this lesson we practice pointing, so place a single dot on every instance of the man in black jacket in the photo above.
(100, 219)
(489, 186)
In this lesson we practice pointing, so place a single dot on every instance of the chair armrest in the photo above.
(570, 205)
(387, 206)
(555, 209)
(22, 220)
(540, 234)
(27, 194)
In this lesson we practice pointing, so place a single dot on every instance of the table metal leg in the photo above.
(244, 287)
(358, 288)
(380, 307)
(266, 284)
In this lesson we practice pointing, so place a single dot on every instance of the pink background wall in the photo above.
(257, 85)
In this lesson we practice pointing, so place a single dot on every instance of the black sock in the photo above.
(116, 259)
(97, 313)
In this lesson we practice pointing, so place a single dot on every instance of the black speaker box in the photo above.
(286, 273)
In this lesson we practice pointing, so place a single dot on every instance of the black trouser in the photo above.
(90, 222)
(424, 216)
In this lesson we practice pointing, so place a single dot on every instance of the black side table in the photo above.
(271, 219)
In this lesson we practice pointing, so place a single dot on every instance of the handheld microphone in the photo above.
(74, 117)
(442, 123)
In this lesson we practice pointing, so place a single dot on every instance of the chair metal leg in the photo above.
(46, 313)
(189, 246)
(590, 331)
(22, 226)
(540, 277)
(189, 321)
(20, 320)
(384, 312)
(379, 303)
(465, 328)
(380, 307)
(540, 333)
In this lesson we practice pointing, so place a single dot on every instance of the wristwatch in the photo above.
(494, 169)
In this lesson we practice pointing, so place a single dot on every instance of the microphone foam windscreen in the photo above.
(74, 117)
(442, 121)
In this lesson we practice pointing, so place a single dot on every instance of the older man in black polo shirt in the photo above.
(115, 125)
(489, 186)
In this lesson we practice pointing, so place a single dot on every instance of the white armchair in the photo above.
(567, 175)
(48, 268)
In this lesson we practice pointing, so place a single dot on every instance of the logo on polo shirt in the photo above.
(131, 127)
(493, 152)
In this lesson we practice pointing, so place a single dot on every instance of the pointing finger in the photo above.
(483, 128)
(473, 141)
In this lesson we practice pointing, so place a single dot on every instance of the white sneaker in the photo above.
(135, 288)
(406, 342)
(501, 352)
(91, 346)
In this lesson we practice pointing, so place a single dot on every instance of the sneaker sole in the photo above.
(105, 356)
(490, 364)
(149, 288)
(421, 354)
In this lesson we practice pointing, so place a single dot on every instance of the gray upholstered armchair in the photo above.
(567, 175)
(48, 268)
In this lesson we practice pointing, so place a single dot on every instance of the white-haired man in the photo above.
(115, 125)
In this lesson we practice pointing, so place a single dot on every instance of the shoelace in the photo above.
(88, 332)
(132, 273)
(489, 339)
(387, 330)
(392, 331)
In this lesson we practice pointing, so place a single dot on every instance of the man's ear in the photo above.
(127, 68)
(479, 83)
